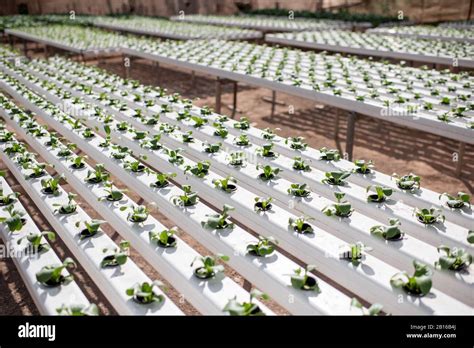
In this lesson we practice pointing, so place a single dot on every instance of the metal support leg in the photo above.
(25, 48)
(247, 285)
(336, 126)
(273, 104)
(218, 96)
(460, 158)
(350, 134)
(234, 109)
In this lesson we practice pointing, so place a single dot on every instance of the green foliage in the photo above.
(299, 190)
(391, 232)
(36, 241)
(457, 202)
(329, 154)
(301, 225)
(302, 280)
(146, 293)
(299, 164)
(419, 283)
(268, 173)
(207, 266)
(51, 275)
(92, 227)
(164, 238)
(78, 310)
(454, 259)
(98, 175)
(117, 256)
(373, 310)
(363, 167)
(266, 151)
(201, 169)
(225, 184)
(407, 182)
(247, 309)
(263, 204)
(380, 195)
(264, 246)
(67, 208)
(242, 124)
(429, 216)
(112, 194)
(296, 143)
(162, 179)
(336, 178)
(341, 208)
(219, 221)
(187, 199)
(15, 220)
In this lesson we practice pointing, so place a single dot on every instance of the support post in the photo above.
(351, 120)
(272, 113)
(218, 96)
(234, 109)
(247, 285)
(460, 159)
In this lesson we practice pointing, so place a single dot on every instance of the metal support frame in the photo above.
(461, 149)
(217, 107)
(351, 120)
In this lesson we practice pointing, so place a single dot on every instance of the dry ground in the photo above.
(392, 148)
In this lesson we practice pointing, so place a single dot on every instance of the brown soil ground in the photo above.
(392, 148)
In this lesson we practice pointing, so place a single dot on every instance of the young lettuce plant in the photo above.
(408, 182)
(153, 143)
(88, 133)
(269, 134)
(187, 199)
(198, 121)
(242, 140)
(392, 232)
(112, 194)
(134, 166)
(164, 238)
(266, 151)
(36, 241)
(429, 216)
(246, 309)
(220, 130)
(78, 310)
(380, 195)
(37, 170)
(78, 162)
(52, 275)
(15, 221)
(116, 256)
(340, 209)
(212, 148)
(146, 293)
(296, 143)
(7, 199)
(301, 225)
(373, 310)
(201, 169)
(162, 179)
(268, 173)
(454, 259)
(207, 266)
(67, 208)
(219, 221)
(137, 214)
(174, 156)
(354, 252)
(418, 284)
(242, 124)
(92, 227)
(329, 154)
(303, 281)
(299, 164)
(336, 178)
(66, 151)
(187, 137)
(225, 184)
(363, 167)
(237, 159)
(98, 175)
(299, 190)
(457, 202)
(120, 152)
(262, 204)
(262, 248)
(51, 186)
